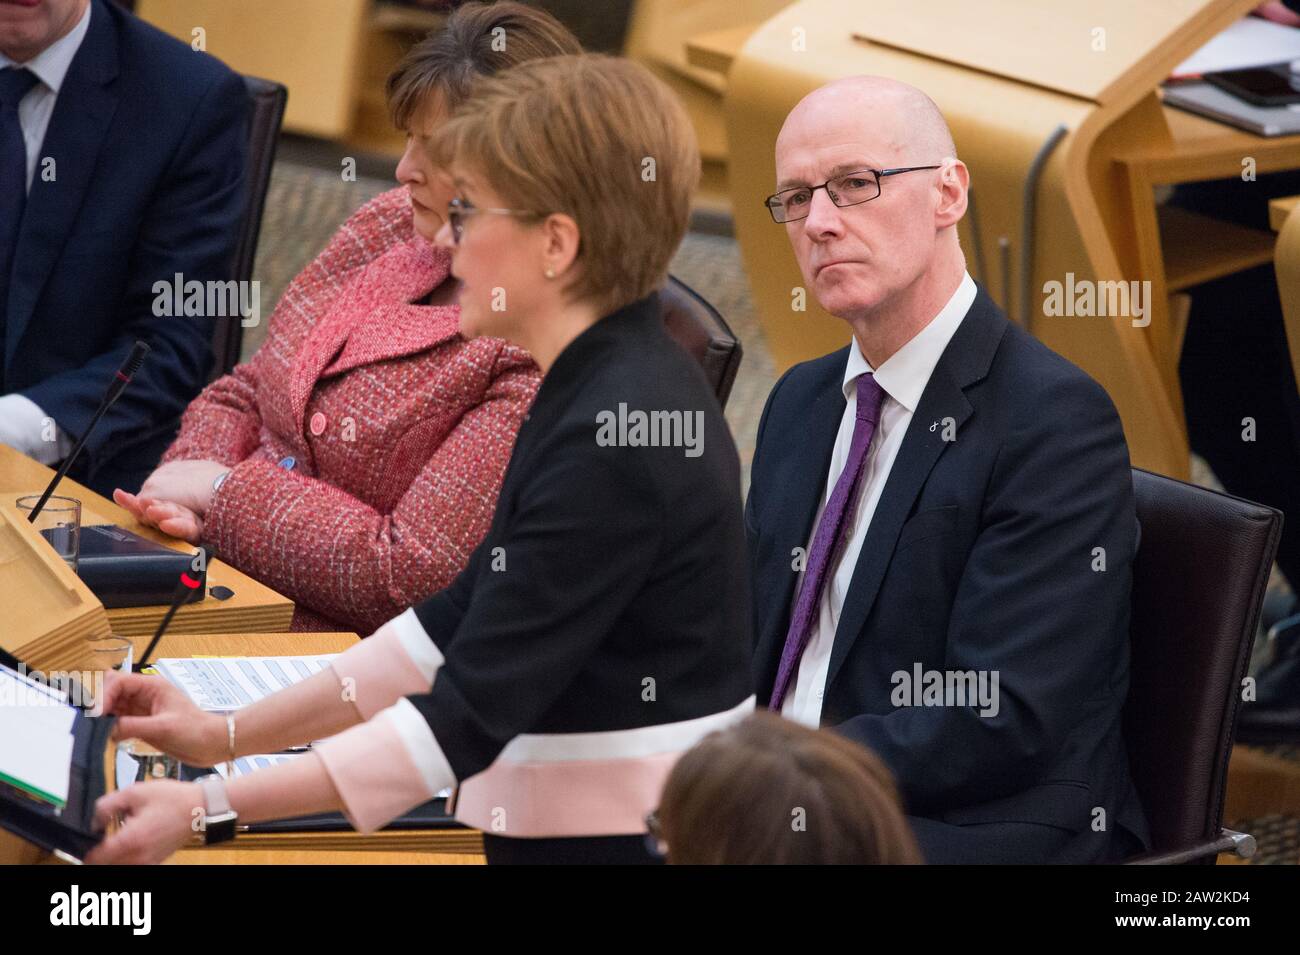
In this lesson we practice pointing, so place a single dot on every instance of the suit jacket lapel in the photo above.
(918, 453)
(372, 320)
(809, 459)
(397, 328)
(82, 115)
(965, 361)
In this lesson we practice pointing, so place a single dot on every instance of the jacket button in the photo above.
(318, 424)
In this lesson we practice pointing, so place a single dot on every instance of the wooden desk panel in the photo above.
(217, 856)
(1279, 210)
(1202, 148)
(1286, 265)
(1055, 44)
(1175, 249)
(311, 46)
(247, 644)
(717, 49)
(1197, 248)
(253, 608)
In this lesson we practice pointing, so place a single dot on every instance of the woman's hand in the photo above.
(171, 519)
(151, 709)
(187, 483)
(175, 498)
(160, 817)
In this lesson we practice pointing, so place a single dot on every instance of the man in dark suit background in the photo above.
(123, 155)
(940, 515)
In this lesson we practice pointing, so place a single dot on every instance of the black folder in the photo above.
(430, 815)
(69, 829)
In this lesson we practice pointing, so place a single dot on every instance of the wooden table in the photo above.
(436, 846)
(253, 608)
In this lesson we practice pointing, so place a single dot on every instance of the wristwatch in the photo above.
(219, 480)
(219, 819)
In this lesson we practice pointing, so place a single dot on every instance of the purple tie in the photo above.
(830, 535)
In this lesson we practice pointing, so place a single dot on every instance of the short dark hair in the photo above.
(478, 39)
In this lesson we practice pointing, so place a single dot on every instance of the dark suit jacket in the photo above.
(979, 557)
(617, 563)
(149, 140)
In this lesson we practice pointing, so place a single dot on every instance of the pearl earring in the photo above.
(550, 273)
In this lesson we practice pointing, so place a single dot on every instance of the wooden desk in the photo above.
(716, 49)
(278, 644)
(1280, 209)
(425, 846)
(1286, 264)
(343, 51)
(1175, 249)
(253, 608)
(654, 39)
(326, 38)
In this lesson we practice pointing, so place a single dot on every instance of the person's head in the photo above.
(598, 161)
(860, 259)
(437, 75)
(771, 791)
(28, 27)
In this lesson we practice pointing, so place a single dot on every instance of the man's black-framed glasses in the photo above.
(848, 189)
(458, 210)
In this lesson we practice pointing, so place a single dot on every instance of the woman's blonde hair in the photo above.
(597, 138)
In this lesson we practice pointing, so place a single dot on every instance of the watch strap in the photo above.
(219, 817)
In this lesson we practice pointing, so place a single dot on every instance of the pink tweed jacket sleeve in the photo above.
(399, 431)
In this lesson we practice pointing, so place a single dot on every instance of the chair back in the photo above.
(268, 99)
(1202, 567)
(701, 331)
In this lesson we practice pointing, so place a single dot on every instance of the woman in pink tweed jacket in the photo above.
(353, 464)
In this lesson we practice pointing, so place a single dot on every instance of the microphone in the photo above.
(121, 378)
(185, 588)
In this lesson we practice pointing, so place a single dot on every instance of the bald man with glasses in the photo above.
(940, 515)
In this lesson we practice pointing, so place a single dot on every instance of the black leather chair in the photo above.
(698, 328)
(268, 99)
(1198, 582)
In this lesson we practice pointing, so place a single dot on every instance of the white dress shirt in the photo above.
(23, 425)
(903, 377)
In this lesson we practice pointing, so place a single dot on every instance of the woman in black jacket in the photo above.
(602, 627)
